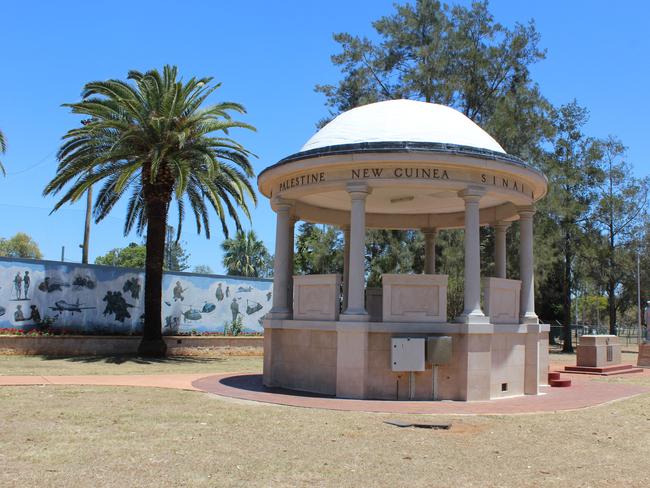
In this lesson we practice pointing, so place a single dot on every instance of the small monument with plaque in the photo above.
(600, 355)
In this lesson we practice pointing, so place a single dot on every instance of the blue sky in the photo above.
(269, 56)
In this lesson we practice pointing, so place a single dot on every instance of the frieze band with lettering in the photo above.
(418, 173)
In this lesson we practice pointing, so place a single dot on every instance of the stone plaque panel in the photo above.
(414, 298)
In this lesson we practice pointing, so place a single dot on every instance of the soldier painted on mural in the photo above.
(132, 285)
(35, 315)
(234, 308)
(18, 285)
(219, 293)
(26, 282)
(18, 314)
(178, 292)
(117, 305)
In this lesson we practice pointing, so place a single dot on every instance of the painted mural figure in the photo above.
(26, 282)
(116, 305)
(132, 285)
(83, 282)
(121, 308)
(49, 286)
(234, 308)
(172, 324)
(255, 307)
(18, 314)
(108, 298)
(35, 315)
(219, 292)
(18, 285)
(178, 292)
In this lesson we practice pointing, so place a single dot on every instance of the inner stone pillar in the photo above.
(526, 266)
(500, 229)
(280, 309)
(472, 288)
(356, 309)
(290, 268)
(430, 250)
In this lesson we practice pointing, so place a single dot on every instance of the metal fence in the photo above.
(627, 332)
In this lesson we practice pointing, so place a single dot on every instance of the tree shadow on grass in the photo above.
(134, 359)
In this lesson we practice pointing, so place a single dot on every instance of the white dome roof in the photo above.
(402, 120)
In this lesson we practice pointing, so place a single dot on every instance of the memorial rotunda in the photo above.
(404, 164)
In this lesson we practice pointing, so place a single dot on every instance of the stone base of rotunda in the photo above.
(353, 360)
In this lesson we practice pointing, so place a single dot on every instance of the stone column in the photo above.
(346, 266)
(280, 309)
(290, 269)
(500, 229)
(532, 351)
(430, 250)
(472, 294)
(356, 309)
(526, 266)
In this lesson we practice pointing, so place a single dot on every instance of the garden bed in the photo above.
(82, 345)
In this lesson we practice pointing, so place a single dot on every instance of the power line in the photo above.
(49, 209)
(36, 165)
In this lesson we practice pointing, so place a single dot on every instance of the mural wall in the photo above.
(95, 299)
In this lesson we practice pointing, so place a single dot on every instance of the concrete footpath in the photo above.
(175, 381)
(585, 392)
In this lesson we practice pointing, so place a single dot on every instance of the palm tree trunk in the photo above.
(86, 244)
(152, 344)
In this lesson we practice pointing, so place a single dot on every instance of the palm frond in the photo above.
(151, 137)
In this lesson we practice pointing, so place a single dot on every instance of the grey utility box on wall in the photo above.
(407, 354)
(439, 350)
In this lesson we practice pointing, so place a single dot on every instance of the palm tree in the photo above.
(152, 138)
(245, 255)
(3, 148)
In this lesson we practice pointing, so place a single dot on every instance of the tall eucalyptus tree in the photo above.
(620, 213)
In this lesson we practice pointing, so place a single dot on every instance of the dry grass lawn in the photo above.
(43, 365)
(122, 437)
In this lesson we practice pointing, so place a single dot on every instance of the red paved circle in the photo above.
(583, 393)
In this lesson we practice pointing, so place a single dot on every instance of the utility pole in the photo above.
(86, 244)
(62, 253)
(89, 205)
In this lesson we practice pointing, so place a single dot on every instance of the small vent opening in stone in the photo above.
(504, 386)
